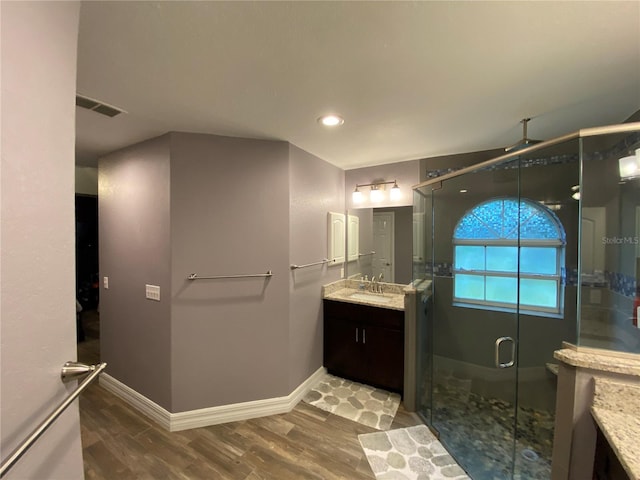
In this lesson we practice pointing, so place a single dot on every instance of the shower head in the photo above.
(525, 142)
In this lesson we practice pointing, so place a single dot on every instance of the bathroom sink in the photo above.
(370, 297)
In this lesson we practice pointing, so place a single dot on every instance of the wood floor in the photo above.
(306, 443)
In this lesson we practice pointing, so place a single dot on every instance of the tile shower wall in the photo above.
(618, 282)
(608, 294)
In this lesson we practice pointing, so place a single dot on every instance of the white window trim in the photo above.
(514, 307)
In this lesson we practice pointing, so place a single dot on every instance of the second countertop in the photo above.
(392, 301)
(349, 291)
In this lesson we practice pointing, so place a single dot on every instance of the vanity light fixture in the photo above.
(629, 167)
(331, 120)
(376, 194)
(394, 193)
(357, 196)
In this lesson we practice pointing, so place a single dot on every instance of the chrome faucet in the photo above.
(375, 285)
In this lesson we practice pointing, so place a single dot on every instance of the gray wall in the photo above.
(230, 215)
(406, 173)
(134, 243)
(191, 203)
(316, 188)
(39, 50)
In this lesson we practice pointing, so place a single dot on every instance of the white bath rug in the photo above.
(411, 453)
(361, 403)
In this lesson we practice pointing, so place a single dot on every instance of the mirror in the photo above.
(384, 243)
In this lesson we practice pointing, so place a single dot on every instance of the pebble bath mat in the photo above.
(411, 453)
(361, 403)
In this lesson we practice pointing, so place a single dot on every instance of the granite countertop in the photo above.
(616, 410)
(608, 363)
(343, 291)
(616, 405)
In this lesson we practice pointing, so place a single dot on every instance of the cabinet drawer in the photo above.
(375, 316)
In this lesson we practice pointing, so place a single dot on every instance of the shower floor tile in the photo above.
(479, 433)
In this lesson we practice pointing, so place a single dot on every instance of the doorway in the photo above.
(87, 286)
(384, 245)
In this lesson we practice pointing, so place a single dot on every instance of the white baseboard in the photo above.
(214, 415)
(136, 400)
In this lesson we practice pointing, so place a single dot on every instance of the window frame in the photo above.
(558, 244)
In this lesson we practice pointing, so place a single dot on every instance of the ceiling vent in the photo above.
(97, 106)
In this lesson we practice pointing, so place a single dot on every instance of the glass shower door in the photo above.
(474, 374)
(548, 177)
(422, 281)
(501, 250)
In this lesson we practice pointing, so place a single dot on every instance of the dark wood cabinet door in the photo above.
(607, 466)
(365, 344)
(343, 348)
(384, 357)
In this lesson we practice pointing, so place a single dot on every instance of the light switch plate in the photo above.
(153, 292)
(105, 283)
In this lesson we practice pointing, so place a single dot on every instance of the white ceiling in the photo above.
(412, 79)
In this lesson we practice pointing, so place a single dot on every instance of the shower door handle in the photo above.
(500, 341)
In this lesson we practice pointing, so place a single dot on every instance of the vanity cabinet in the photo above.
(607, 466)
(365, 344)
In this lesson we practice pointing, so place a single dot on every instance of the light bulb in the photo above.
(629, 167)
(356, 196)
(395, 193)
(376, 195)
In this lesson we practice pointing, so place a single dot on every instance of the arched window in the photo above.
(500, 241)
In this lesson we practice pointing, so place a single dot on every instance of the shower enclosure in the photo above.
(524, 252)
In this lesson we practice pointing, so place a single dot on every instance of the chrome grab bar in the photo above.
(365, 254)
(74, 370)
(195, 276)
(321, 262)
(512, 362)
(70, 371)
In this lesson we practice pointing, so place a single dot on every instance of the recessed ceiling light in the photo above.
(331, 120)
